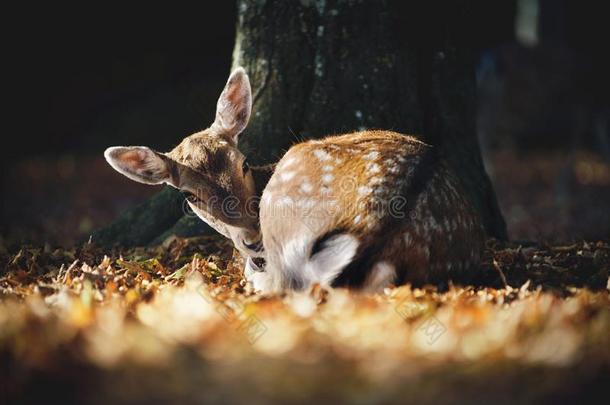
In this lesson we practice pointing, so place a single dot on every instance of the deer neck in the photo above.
(261, 176)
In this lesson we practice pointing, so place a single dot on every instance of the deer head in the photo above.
(208, 168)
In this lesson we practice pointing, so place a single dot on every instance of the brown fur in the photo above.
(346, 183)
(209, 167)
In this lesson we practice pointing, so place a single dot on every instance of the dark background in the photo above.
(88, 77)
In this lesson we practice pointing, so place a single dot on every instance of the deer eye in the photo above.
(245, 167)
(190, 197)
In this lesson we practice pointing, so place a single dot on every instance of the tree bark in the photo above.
(150, 223)
(324, 67)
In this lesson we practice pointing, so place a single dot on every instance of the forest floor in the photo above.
(177, 322)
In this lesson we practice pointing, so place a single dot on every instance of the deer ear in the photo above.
(140, 164)
(234, 105)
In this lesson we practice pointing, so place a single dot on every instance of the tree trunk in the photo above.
(323, 67)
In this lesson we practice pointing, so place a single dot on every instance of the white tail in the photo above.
(366, 209)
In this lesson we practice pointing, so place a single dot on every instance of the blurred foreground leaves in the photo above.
(178, 323)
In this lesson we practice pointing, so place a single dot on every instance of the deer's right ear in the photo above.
(234, 105)
(140, 164)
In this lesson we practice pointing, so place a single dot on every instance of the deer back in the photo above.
(365, 209)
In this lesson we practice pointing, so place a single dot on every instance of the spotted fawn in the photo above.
(365, 210)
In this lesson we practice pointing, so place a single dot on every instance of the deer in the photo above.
(366, 210)
(361, 210)
(219, 185)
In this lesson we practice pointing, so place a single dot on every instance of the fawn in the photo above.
(219, 185)
(365, 210)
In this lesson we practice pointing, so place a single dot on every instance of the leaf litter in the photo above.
(178, 322)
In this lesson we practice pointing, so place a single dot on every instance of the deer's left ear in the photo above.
(140, 164)
(234, 105)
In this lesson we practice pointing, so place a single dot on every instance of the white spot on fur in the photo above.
(306, 187)
(285, 176)
(364, 191)
(357, 219)
(372, 155)
(382, 275)
(322, 155)
(373, 168)
(408, 239)
(288, 162)
(285, 200)
(327, 168)
(327, 178)
(381, 191)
